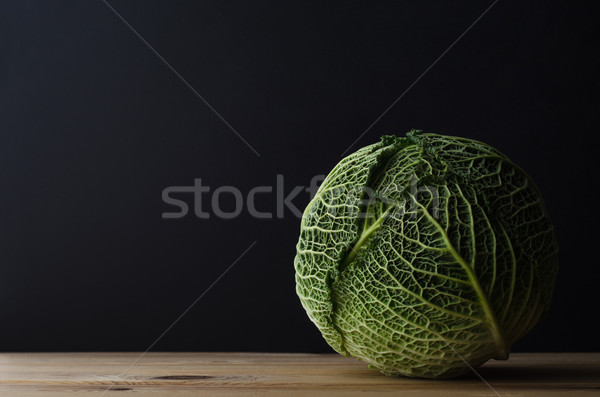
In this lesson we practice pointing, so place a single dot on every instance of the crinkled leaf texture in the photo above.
(426, 255)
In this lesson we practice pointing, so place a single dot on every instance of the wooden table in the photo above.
(266, 374)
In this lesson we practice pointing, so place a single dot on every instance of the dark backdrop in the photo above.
(94, 126)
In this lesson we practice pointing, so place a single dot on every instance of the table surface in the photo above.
(276, 374)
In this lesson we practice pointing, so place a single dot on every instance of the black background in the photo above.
(94, 126)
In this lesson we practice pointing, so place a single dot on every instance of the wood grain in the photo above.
(267, 374)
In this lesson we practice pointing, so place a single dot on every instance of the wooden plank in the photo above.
(274, 374)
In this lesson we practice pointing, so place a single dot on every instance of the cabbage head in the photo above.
(425, 255)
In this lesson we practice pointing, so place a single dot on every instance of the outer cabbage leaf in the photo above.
(426, 255)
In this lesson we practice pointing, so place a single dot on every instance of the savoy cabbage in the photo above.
(425, 255)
